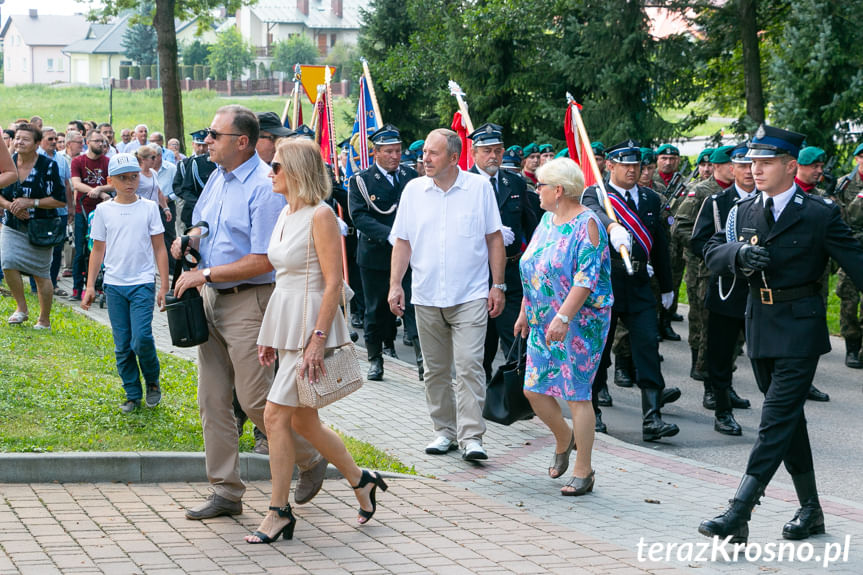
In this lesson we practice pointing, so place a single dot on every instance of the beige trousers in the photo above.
(228, 360)
(447, 335)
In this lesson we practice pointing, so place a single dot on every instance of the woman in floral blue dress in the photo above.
(565, 314)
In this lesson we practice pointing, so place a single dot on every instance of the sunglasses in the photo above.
(215, 135)
(277, 168)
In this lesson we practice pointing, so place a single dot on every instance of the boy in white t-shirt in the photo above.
(127, 233)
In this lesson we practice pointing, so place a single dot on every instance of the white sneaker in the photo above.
(440, 446)
(473, 451)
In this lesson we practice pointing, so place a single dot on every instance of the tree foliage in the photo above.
(195, 53)
(298, 49)
(139, 39)
(230, 55)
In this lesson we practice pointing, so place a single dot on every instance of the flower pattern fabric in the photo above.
(559, 258)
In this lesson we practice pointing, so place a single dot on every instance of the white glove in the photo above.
(649, 271)
(343, 227)
(667, 299)
(508, 235)
(620, 237)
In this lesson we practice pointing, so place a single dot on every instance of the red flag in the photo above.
(578, 149)
(465, 162)
(324, 136)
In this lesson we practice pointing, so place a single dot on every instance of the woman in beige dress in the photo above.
(298, 172)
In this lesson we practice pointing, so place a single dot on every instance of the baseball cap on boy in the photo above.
(123, 164)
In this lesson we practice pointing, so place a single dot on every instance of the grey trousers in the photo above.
(454, 335)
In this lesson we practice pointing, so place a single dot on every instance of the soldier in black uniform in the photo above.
(192, 175)
(374, 196)
(519, 221)
(779, 241)
(634, 303)
(726, 298)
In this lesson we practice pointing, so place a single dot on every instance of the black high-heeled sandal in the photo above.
(287, 531)
(378, 481)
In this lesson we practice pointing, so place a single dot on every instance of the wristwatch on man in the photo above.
(501, 287)
(206, 272)
(564, 319)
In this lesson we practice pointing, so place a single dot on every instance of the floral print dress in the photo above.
(558, 258)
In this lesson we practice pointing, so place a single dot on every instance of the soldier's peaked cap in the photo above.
(198, 136)
(386, 135)
(770, 142)
(487, 135)
(627, 152)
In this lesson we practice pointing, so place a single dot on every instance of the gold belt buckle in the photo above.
(766, 296)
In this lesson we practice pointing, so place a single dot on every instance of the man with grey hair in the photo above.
(156, 138)
(139, 139)
(448, 229)
(237, 279)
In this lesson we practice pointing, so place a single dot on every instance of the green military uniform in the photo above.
(850, 301)
(697, 275)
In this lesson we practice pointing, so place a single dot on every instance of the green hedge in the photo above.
(135, 72)
(124, 72)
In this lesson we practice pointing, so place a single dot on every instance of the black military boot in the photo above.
(669, 395)
(738, 402)
(390, 350)
(599, 427)
(376, 362)
(852, 353)
(724, 421)
(693, 372)
(623, 371)
(809, 519)
(419, 357)
(665, 330)
(735, 520)
(709, 399)
(652, 426)
(600, 384)
(675, 317)
(816, 394)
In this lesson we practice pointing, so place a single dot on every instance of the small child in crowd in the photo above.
(127, 233)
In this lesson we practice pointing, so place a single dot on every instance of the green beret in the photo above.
(418, 145)
(515, 150)
(810, 154)
(858, 150)
(705, 154)
(721, 155)
(647, 156)
(667, 150)
(545, 148)
(598, 147)
(531, 148)
(564, 153)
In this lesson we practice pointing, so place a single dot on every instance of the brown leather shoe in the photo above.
(215, 506)
(262, 446)
(310, 482)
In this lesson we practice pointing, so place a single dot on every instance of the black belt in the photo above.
(514, 258)
(769, 296)
(618, 265)
(238, 289)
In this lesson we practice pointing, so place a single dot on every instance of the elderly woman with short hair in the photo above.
(565, 315)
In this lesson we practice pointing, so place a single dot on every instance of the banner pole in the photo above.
(371, 88)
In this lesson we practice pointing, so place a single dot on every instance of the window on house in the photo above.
(50, 64)
(332, 40)
(60, 64)
(23, 64)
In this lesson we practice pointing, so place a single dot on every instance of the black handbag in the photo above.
(505, 402)
(186, 319)
(46, 232)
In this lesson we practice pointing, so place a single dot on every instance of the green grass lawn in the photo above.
(60, 391)
(58, 106)
(832, 305)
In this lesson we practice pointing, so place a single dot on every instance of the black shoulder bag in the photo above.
(505, 402)
(186, 319)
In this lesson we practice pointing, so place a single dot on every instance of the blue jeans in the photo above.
(130, 309)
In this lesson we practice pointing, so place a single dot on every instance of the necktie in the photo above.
(768, 213)
(630, 202)
(494, 185)
(395, 177)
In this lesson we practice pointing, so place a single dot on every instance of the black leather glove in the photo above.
(753, 257)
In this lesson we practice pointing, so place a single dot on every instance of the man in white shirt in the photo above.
(165, 172)
(448, 229)
(139, 139)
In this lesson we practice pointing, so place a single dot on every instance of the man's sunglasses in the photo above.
(215, 135)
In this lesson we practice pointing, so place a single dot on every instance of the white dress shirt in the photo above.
(446, 231)
(632, 192)
(779, 201)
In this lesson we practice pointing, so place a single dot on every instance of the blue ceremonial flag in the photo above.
(365, 124)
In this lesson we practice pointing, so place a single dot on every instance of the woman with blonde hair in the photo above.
(305, 250)
(565, 315)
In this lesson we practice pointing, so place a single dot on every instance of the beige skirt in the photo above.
(284, 388)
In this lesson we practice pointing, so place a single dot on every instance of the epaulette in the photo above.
(751, 198)
(822, 201)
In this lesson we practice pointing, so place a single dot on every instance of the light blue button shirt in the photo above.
(63, 169)
(242, 210)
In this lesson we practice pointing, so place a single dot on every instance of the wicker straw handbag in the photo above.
(343, 375)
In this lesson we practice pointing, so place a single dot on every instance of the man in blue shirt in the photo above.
(241, 210)
(48, 147)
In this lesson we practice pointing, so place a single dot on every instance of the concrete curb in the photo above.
(132, 467)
